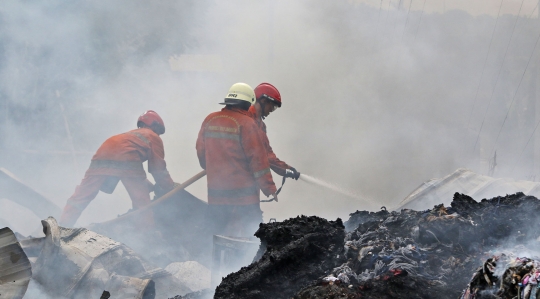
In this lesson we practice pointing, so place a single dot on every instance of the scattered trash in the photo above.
(398, 254)
(505, 276)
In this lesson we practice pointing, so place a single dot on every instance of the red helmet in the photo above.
(152, 119)
(268, 91)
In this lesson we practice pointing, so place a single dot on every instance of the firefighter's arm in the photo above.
(201, 148)
(158, 167)
(258, 159)
(278, 166)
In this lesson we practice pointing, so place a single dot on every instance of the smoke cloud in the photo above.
(376, 99)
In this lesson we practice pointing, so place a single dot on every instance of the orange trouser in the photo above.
(137, 188)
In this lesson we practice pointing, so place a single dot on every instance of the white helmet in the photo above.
(239, 92)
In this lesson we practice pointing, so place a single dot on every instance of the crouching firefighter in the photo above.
(120, 158)
(268, 99)
(231, 150)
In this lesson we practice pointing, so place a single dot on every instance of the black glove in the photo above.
(292, 173)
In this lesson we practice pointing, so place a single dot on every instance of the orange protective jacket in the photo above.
(230, 148)
(122, 156)
(278, 166)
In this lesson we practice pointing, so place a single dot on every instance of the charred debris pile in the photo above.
(398, 254)
(505, 276)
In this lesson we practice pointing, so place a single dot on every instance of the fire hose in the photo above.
(192, 180)
(277, 192)
(290, 173)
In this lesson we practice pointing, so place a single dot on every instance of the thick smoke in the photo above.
(376, 100)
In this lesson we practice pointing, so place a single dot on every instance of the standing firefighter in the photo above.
(120, 158)
(231, 150)
(268, 99)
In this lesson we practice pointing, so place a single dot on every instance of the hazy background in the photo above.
(377, 97)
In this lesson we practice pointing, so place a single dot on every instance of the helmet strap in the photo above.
(262, 108)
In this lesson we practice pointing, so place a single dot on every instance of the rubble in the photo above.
(505, 276)
(292, 253)
(361, 217)
(78, 263)
(383, 254)
(390, 254)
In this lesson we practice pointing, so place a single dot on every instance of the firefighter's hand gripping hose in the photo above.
(292, 173)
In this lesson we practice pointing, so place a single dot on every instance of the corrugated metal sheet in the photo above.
(15, 268)
(477, 186)
(78, 263)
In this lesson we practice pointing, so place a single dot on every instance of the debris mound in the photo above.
(361, 217)
(292, 254)
(397, 254)
(505, 276)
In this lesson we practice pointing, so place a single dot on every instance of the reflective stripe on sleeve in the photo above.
(111, 164)
(223, 129)
(222, 135)
(260, 173)
(240, 192)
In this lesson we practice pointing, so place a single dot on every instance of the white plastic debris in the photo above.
(330, 278)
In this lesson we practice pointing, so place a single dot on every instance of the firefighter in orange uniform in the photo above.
(268, 99)
(231, 150)
(120, 158)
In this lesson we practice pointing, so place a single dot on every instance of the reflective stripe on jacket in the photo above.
(278, 166)
(233, 154)
(122, 155)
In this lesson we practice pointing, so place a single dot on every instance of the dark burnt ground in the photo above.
(296, 251)
(405, 254)
(428, 254)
